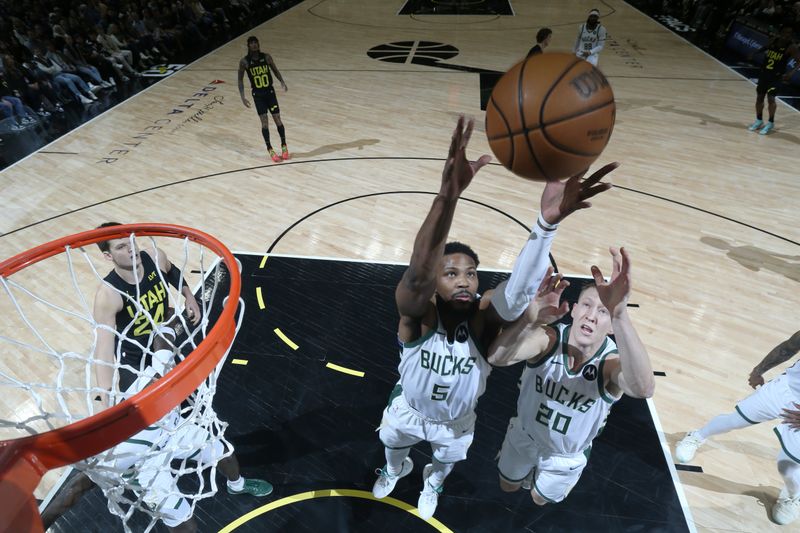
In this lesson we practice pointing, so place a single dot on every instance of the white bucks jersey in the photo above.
(561, 409)
(443, 380)
(793, 373)
(589, 39)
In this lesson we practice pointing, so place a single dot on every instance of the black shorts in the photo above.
(266, 101)
(768, 85)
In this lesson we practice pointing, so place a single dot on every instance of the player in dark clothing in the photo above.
(543, 38)
(777, 53)
(259, 68)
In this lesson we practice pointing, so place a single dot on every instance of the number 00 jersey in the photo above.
(443, 380)
(560, 409)
(259, 73)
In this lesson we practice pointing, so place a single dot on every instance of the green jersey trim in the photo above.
(743, 416)
(792, 457)
(552, 351)
(424, 337)
(601, 383)
(565, 354)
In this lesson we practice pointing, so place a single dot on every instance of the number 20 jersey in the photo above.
(440, 379)
(560, 409)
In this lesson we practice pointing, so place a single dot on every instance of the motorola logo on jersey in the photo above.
(462, 333)
(589, 372)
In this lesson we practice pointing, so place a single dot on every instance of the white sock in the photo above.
(236, 485)
(394, 460)
(790, 471)
(722, 424)
(438, 473)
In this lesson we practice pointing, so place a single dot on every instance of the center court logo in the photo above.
(417, 52)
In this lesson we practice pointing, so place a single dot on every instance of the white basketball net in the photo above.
(48, 338)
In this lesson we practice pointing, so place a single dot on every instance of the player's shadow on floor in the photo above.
(754, 258)
(330, 148)
(765, 494)
(705, 118)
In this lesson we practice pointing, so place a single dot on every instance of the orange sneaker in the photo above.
(285, 153)
(275, 157)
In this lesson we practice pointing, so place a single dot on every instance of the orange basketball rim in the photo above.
(24, 461)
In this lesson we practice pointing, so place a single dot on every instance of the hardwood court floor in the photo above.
(707, 210)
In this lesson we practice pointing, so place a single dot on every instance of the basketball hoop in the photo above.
(23, 461)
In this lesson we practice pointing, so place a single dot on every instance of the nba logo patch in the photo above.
(589, 373)
(462, 334)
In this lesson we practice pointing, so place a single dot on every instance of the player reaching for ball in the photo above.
(573, 376)
(443, 324)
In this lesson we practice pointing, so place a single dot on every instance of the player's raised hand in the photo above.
(560, 198)
(792, 417)
(458, 171)
(548, 297)
(755, 379)
(614, 293)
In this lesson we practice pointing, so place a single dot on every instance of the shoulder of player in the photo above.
(412, 328)
(107, 300)
(161, 259)
(548, 349)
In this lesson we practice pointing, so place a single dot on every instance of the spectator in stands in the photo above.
(63, 80)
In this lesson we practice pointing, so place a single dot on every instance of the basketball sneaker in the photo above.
(768, 127)
(755, 125)
(285, 152)
(687, 447)
(254, 487)
(429, 497)
(275, 157)
(786, 509)
(385, 483)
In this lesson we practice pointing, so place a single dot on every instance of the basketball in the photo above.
(550, 116)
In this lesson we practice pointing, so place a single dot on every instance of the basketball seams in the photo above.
(582, 113)
(508, 129)
(552, 88)
(525, 129)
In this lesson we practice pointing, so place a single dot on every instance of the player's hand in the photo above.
(792, 417)
(458, 172)
(246, 102)
(285, 88)
(548, 296)
(755, 379)
(614, 293)
(560, 198)
(192, 311)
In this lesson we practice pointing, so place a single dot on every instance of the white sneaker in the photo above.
(85, 101)
(385, 483)
(94, 88)
(786, 510)
(429, 497)
(687, 447)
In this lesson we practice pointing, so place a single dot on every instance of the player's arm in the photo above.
(242, 67)
(107, 303)
(175, 277)
(577, 46)
(274, 68)
(779, 354)
(792, 51)
(418, 283)
(632, 372)
(559, 200)
(601, 41)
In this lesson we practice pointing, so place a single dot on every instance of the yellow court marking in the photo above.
(263, 260)
(260, 298)
(285, 339)
(239, 362)
(350, 493)
(345, 370)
